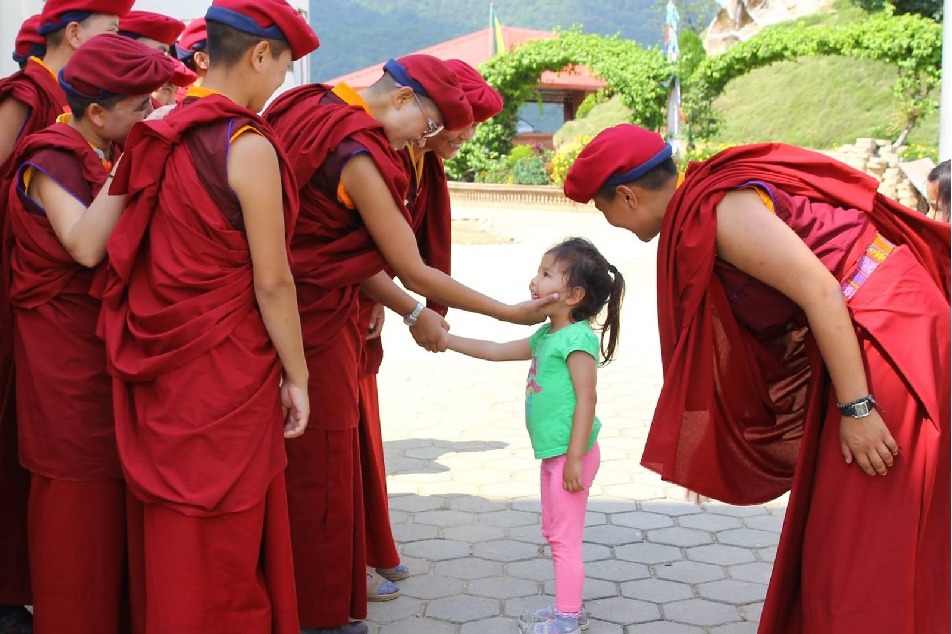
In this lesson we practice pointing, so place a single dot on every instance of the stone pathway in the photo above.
(464, 484)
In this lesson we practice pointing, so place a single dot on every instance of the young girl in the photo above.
(560, 405)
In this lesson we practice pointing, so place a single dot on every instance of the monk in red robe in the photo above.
(355, 224)
(431, 221)
(30, 100)
(53, 243)
(29, 43)
(160, 32)
(804, 323)
(203, 340)
(190, 49)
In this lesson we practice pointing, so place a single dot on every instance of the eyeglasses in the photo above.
(432, 127)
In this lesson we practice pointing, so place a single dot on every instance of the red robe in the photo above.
(744, 416)
(198, 414)
(39, 90)
(333, 254)
(430, 219)
(36, 87)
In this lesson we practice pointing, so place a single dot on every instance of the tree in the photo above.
(926, 8)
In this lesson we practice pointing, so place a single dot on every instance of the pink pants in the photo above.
(563, 522)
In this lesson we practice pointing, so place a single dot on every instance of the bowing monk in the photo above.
(30, 100)
(804, 322)
(355, 223)
(53, 244)
(430, 218)
(203, 339)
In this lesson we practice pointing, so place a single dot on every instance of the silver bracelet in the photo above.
(411, 319)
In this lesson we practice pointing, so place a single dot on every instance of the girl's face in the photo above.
(550, 278)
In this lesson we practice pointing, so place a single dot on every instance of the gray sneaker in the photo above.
(548, 614)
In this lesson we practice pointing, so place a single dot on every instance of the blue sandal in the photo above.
(394, 574)
(384, 591)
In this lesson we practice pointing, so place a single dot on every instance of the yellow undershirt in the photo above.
(349, 96)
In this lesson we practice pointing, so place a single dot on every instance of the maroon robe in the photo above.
(36, 87)
(198, 416)
(430, 219)
(747, 410)
(333, 254)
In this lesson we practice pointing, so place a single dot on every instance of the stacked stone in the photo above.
(879, 159)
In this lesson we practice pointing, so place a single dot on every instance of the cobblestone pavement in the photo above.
(464, 484)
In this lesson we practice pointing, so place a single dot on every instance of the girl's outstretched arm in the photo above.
(582, 371)
(491, 350)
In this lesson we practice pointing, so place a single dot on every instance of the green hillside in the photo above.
(818, 102)
(357, 33)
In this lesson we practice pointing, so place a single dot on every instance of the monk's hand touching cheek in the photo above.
(430, 331)
(572, 475)
(531, 311)
(867, 441)
(297, 408)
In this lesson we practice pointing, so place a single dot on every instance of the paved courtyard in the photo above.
(464, 484)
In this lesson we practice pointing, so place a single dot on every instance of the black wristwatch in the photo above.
(860, 408)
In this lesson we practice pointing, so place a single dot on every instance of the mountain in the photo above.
(357, 33)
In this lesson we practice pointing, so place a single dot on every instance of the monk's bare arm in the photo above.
(82, 232)
(254, 175)
(429, 331)
(396, 241)
(754, 240)
(13, 114)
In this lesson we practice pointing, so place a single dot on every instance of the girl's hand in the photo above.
(867, 441)
(297, 409)
(572, 475)
(530, 312)
(430, 331)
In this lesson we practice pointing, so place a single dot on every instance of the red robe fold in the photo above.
(430, 219)
(66, 431)
(198, 416)
(36, 87)
(731, 398)
(39, 90)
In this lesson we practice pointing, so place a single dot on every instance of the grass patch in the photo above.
(817, 102)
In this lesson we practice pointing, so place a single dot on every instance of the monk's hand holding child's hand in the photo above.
(867, 441)
(530, 311)
(430, 331)
(572, 475)
(297, 408)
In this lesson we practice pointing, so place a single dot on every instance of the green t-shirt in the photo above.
(550, 397)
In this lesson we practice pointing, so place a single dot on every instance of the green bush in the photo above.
(916, 152)
(530, 171)
(519, 153)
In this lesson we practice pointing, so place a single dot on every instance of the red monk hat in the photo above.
(155, 26)
(29, 42)
(193, 39)
(58, 13)
(483, 98)
(432, 78)
(615, 156)
(109, 65)
(269, 19)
